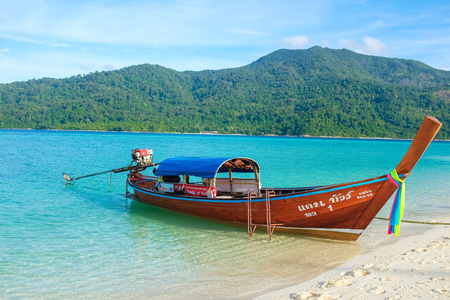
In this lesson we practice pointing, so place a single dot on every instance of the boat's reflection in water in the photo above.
(193, 257)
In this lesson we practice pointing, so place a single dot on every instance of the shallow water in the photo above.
(86, 241)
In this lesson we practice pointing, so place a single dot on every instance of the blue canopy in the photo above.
(206, 167)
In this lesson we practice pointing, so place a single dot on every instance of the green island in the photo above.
(314, 92)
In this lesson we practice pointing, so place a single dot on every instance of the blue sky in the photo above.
(59, 38)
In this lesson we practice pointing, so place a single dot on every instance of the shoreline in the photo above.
(230, 134)
(416, 266)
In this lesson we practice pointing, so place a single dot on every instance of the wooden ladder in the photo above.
(251, 194)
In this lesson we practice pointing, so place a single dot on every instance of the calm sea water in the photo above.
(88, 241)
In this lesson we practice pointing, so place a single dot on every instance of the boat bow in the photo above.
(427, 131)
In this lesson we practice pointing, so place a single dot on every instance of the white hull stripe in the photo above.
(276, 198)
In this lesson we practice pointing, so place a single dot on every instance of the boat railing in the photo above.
(236, 185)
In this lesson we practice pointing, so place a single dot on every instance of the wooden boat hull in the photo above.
(340, 211)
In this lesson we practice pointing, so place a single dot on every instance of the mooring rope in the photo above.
(416, 222)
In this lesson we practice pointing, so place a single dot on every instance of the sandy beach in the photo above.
(414, 267)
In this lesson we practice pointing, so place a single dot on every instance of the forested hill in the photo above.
(318, 92)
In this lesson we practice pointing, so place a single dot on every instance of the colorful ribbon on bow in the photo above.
(397, 206)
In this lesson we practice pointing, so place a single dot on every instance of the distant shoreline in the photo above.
(225, 134)
(228, 134)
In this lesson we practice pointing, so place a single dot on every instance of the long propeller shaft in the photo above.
(71, 180)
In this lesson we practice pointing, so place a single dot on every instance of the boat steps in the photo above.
(251, 227)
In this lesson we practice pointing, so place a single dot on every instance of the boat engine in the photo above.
(142, 156)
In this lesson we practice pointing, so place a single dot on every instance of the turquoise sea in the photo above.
(88, 241)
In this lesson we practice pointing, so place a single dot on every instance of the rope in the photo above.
(416, 222)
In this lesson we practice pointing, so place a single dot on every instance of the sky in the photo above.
(63, 38)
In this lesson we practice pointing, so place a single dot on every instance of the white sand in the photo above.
(415, 267)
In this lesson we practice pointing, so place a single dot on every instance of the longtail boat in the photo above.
(228, 189)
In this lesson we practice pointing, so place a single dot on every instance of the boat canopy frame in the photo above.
(206, 167)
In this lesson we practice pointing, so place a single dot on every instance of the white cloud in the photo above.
(4, 50)
(134, 22)
(375, 46)
(154, 23)
(369, 45)
(19, 38)
(55, 65)
(376, 25)
(296, 42)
